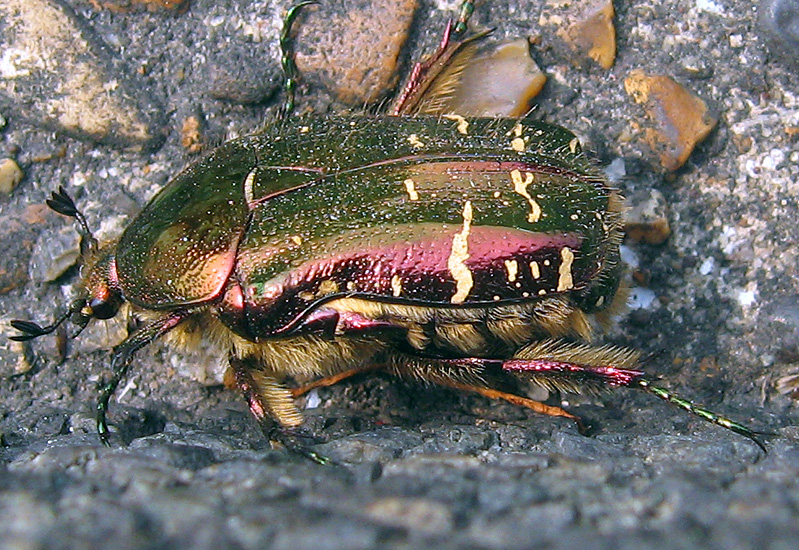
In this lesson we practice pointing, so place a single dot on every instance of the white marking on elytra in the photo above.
(520, 186)
(458, 256)
(463, 124)
(534, 270)
(565, 279)
(249, 183)
(573, 145)
(517, 130)
(517, 144)
(414, 140)
(513, 268)
(296, 239)
(409, 186)
(396, 285)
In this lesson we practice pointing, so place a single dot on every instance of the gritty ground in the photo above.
(717, 317)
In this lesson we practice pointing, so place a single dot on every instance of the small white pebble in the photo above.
(746, 298)
(709, 6)
(641, 298)
(629, 257)
(313, 400)
(707, 266)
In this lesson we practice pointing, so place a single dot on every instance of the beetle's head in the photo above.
(102, 297)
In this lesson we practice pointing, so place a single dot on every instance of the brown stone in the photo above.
(647, 219)
(677, 119)
(353, 46)
(124, 6)
(191, 137)
(587, 28)
(58, 75)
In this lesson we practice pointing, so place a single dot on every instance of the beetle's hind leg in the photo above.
(272, 405)
(572, 366)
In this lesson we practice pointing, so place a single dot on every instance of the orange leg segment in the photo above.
(330, 380)
(531, 404)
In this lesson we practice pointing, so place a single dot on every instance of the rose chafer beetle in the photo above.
(442, 248)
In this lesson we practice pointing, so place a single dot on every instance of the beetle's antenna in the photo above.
(290, 73)
(61, 202)
(31, 330)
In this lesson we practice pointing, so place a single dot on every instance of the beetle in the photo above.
(438, 247)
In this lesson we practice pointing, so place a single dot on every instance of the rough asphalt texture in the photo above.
(421, 467)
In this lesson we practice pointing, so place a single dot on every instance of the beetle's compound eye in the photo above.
(104, 309)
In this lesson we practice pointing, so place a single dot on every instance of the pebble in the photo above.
(191, 136)
(778, 22)
(10, 175)
(676, 119)
(124, 6)
(357, 62)
(58, 75)
(415, 514)
(586, 27)
(647, 218)
(54, 253)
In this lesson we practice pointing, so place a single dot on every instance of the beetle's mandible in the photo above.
(437, 247)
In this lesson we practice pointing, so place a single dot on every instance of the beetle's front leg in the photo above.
(272, 404)
(123, 354)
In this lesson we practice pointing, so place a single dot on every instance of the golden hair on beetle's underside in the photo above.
(310, 355)
(200, 330)
(465, 338)
(433, 371)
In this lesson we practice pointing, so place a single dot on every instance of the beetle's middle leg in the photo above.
(272, 405)
(333, 379)
(469, 374)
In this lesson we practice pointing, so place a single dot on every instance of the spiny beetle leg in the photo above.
(424, 73)
(290, 73)
(294, 440)
(464, 14)
(123, 354)
(702, 413)
(267, 401)
(467, 374)
(566, 374)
